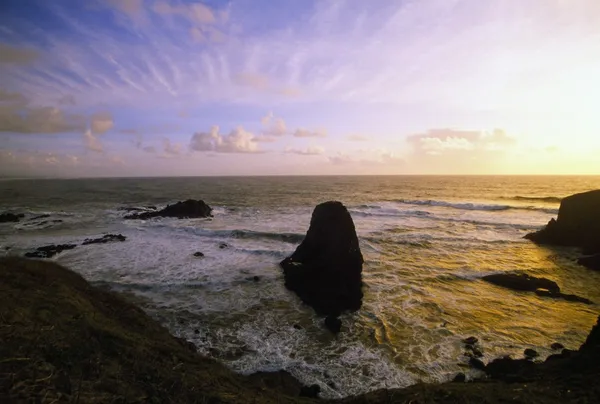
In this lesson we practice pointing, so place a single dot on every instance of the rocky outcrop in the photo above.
(107, 238)
(181, 210)
(49, 251)
(325, 270)
(577, 224)
(10, 217)
(590, 262)
(526, 283)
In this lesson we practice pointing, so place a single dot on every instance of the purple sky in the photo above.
(179, 87)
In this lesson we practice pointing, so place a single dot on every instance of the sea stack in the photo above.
(325, 271)
(182, 210)
(577, 224)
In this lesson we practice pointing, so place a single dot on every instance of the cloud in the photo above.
(16, 116)
(310, 133)
(149, 149)
(133, 8)
(309, 151)
(67, 100)
(129, 131)
(171, 149)
(101, 122)
(442, 141)
(92, 142)
(273, 126)
(358, 138)
(376, 157)
(252, 80)
(195, 12)
(13, 55)
(237, 141)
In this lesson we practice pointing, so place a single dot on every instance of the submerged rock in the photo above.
(198, 254)
(181, 210)
(325, 270)
(10, 217)
(557, 346)
(530, 353)
(49, 250)
(107, 238)
(577, 224)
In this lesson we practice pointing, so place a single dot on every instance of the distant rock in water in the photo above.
(526, 283)
(181, 210)
(49, 250)
(577, 225)
(325, 270)
(522, 282)
(107, 238)
(10, 217)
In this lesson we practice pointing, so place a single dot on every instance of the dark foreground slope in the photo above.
(62, 340)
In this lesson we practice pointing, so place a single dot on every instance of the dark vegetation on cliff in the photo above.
(63, 340)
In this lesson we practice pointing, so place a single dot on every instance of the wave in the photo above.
(473, 206)
(549, 199)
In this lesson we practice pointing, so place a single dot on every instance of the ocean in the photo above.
(427, 241)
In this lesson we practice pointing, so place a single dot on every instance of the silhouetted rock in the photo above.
(107, 238)
(593, 339)
(186, 209)
(459, 378)
(49, 250)
(522, 282)
(333, 324)
(510, 370)
(198, 254)
(470, 341)
(10, 217)
(577, 224)
(325, 270)
(310, 391)
(530, 353)
(591, 262)
(476, 364)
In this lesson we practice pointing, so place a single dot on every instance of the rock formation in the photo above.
(526, 283)
(49, 251)
(186, 209)
(10, 217)
(325, 270)
(577, 225)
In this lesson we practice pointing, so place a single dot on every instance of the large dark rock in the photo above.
(186, 209)
(526, 283)
(325, 270)
(577, 225)
(522, 282)
(591, 262)
(10, 217)
(49, 251)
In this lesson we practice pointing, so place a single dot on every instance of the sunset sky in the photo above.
(263, 87)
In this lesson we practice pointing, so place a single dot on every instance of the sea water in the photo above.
(427, 242)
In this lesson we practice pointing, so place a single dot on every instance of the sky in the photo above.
(108, 88)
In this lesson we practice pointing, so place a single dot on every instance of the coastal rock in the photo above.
(557, 346)
(470, 341)
(325, 270)
(198, 254)
(107, 238)
(49, 250)
(530, 353)
(10, 217)
(577, 224)
(181, 210)
(44, 216)
(333, 324)
(590, 262)
(522, 282)
(509, 369)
